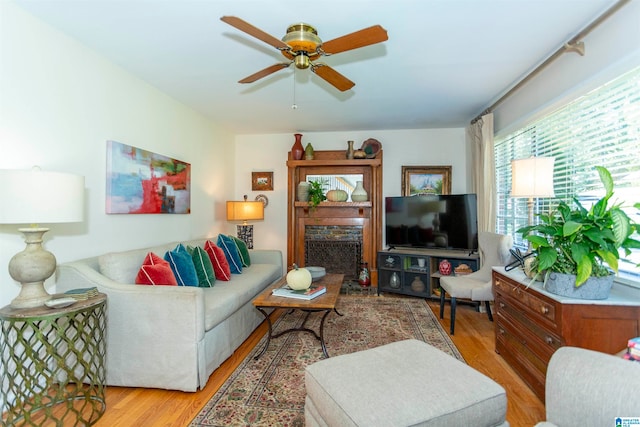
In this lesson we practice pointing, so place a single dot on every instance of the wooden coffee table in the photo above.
(325, 302)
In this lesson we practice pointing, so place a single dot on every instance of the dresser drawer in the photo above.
(538, 339)
(526, 363)
(541, 307)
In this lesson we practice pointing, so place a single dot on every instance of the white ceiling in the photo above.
(444, 63)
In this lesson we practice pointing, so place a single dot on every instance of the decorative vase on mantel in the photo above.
(297, 150)
(359, 193)
(309, 152)
(303, 191)
(349, 154)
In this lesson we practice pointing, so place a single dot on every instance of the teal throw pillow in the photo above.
(243, 251)
(182, 266)
(228, 246)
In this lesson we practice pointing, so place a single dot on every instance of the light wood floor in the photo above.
(474, 337)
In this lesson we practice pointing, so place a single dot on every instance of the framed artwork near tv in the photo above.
(417, 180)
(261, 181)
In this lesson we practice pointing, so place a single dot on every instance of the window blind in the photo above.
(601, 128)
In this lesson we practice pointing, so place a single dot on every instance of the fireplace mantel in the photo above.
(367, 215)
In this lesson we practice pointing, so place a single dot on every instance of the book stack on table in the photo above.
(82, 293)
(633, 350)
(306, 294)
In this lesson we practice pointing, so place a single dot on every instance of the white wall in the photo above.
(60, 103)
(610, 50)
(268, 153)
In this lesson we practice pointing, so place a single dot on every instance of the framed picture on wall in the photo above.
(417, 180)
(262, 181)
(144, 182)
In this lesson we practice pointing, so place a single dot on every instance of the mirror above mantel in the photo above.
(346, 182)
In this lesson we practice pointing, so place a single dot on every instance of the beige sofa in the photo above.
(170, 337)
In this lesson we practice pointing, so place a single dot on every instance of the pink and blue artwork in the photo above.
(143, 182)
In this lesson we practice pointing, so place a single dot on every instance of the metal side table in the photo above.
(52, 362)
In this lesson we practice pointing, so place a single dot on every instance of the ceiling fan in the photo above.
(302, 46)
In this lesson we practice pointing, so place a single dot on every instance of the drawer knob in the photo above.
(544, 309)
(549, 340)
(501, 331)
(501, 305)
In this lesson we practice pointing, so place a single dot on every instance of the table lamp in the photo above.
(37, 197)
(245, 211)
(532, 178)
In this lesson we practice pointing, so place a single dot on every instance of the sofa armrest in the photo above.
(585, 387)
(171, 310)
(267, 256)
(145, 325)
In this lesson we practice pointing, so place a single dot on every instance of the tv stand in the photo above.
(405, 264)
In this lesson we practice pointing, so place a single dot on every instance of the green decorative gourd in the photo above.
(337, 196)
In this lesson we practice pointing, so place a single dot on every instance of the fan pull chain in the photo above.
(294, 106)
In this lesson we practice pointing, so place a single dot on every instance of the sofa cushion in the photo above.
(230, 249)
(155, 271)
(182, 266)
(243, 251)
(203, 266)
(123, 267)
(218, 260)
(225, 298)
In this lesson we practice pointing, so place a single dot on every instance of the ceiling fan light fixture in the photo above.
(302, 61)
(302, 38)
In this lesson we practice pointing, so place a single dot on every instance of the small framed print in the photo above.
(426, 180)
(262, 181)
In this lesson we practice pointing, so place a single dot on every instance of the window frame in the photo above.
(589, 120)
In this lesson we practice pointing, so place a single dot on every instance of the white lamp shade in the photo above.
(532, 177)
(40, 197)
(244, 211)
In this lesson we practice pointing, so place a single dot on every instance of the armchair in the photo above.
(589, 388)
(494, 251)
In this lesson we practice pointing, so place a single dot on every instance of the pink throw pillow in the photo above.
(218, 260)
(155, 271)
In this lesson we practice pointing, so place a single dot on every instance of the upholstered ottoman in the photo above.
(406, 383)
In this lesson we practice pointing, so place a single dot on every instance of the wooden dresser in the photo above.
(532, 323)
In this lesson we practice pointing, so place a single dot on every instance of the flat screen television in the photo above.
(447, 221)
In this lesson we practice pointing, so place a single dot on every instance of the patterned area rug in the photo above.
(270, 391)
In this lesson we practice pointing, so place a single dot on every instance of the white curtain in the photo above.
(479, 137)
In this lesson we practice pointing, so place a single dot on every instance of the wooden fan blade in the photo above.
(264, 73)
(333, 77)
(255, 32)
(364, 37)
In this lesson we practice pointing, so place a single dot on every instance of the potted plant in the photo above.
(316, 193)
(577, 250)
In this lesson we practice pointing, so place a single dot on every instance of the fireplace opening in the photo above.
(336, 248)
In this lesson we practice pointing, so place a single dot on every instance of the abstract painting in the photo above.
(143, 182)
